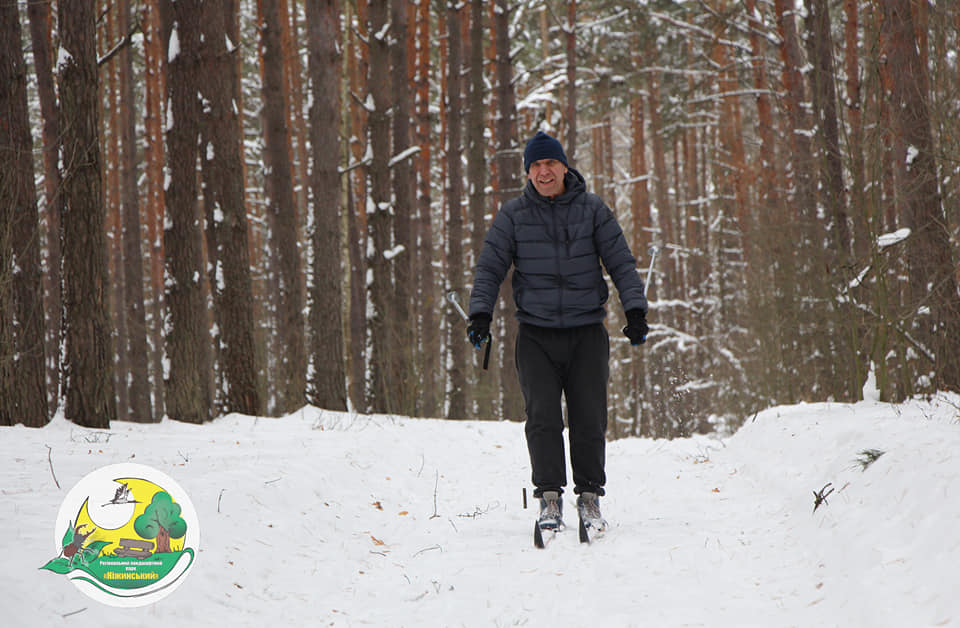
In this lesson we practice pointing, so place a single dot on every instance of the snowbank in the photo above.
(323, 518)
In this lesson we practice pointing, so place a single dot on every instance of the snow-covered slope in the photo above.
(323, 518)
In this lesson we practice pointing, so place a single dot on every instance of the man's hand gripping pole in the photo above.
(452, 298)
(654, 249)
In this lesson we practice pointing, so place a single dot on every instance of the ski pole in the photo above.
(452, 298)
(654, 249)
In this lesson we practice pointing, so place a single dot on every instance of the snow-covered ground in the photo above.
(330, 519)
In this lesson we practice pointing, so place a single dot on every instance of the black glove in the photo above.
(479, 330)
(636, 329)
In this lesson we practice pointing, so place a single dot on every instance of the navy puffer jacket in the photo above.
(556, 246)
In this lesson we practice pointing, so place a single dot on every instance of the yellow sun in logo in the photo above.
(111, 510)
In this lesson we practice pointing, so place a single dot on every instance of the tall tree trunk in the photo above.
(807, 252)
(457, 400)
(846, 385)
(153, 194)
(357, 69)
(764, 248)
(228, 232)
(403, 313)
(328, 372)
(88, 385)
(110, 133)
(934, 300)
(282, 213)
(428, 298)
(384, 343)
(188, 395)
(140, 406)
(26, 400)
(40, 22)
(485, 391)
(508, 184)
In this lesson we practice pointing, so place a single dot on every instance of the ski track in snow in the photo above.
(334, 519)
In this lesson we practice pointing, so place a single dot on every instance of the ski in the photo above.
(540, 540)
(589, 533)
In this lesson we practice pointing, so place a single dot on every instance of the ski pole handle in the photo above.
(452, 298)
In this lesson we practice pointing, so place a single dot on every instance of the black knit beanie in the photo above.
(542, 146)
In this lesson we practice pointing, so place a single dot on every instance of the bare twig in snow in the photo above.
(436, 484)
(821, 496)
(50, 460)
(429, 549)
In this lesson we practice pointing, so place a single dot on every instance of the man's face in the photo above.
(547, 176)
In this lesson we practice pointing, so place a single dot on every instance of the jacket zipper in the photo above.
(560, 278)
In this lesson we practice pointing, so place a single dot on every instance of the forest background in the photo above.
(249, 205)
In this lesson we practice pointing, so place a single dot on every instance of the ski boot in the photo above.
(551, 511)
(591, 521)
(551, 518)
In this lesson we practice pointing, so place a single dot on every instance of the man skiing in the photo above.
(555, 235)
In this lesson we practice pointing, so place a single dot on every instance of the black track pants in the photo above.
(573, 363)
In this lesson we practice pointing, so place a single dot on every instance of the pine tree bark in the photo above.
(187, 342)
(282, 213)
(23, 397)
(428, 297)
(570, 141)
(384, 342)
(457, 407)
(804, 267)
(485, 390)
(40, 22)
(508, 184)
(825, 108)
(88, 383)
(402, 175)
(108, 32)
(847, 383)
(327, 386)
(153, 193)
(226, 214)
(858, 209)
(933, 283)
(794, 99)
(764, 248)
(357, 69)
(297, 110)
(140, 407)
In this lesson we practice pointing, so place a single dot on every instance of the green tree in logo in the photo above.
(162, 521)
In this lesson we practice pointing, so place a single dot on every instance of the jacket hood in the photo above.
(573, 182)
